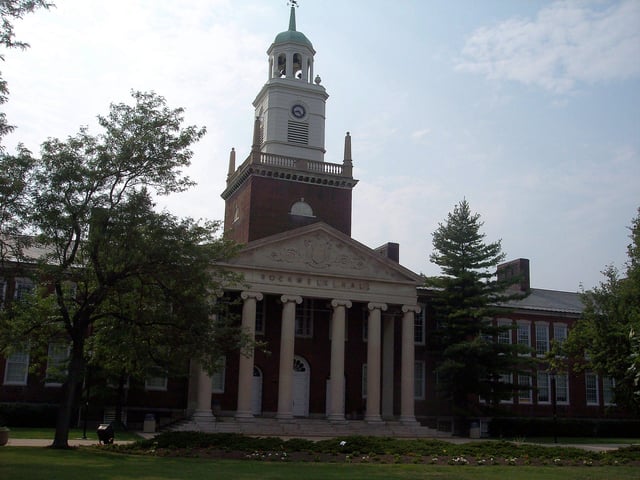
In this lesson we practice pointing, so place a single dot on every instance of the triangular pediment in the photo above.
(319, 249)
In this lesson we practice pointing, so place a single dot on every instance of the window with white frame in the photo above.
(608, 390)
(261, 308)
(57, 360)
(524, 392)
(304, 319)
(504, 335)
(559, 333)
(156, 381)
(419, 377)
(24, 286)
(16, 368)
(419, 326)
(544, 387)
(364, 380)
(218, 377)
(506, 378)
(562, 388)
(591, 388)
(524, 333)
(542, 339)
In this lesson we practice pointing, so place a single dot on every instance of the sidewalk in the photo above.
(41, 442)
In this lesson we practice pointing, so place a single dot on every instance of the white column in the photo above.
(373, 361)
(407, 379)
(336, 412)
(203, 413)
(287, 344)
(245, 368)
(388, 354)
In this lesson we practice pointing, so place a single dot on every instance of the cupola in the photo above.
(291, 54)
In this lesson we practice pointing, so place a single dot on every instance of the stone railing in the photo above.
(301, 164)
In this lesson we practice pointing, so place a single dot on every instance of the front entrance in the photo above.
(301, 382)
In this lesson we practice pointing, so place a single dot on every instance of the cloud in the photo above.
(420, 134)
(568, 43)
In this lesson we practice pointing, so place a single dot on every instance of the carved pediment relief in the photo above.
(320, 249)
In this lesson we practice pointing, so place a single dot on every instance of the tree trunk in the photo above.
(70, 394)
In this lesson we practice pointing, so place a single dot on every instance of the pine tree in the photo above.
(467, 297)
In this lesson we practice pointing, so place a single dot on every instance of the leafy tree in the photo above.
(11, 10)
(606, 336)
(13, 168)
(466, 297)
(128, 287)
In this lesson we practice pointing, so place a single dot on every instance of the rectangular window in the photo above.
(24, 286)
(17, 368)
(261, 308)
(418, 373)
(419, 327)
(364, 380)
(544, 387)
(591, 388)
(504, 336)
(524, 394)
(304, 319)
(608, 390)
(156, 381)
(57, 360)
(542, 339)
(524, 334)
(562, 388)
(218, 377)
(559, 332)
(508, 379)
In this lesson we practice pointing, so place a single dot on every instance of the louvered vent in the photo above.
(298, 133)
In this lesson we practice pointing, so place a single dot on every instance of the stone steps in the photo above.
(308, 428)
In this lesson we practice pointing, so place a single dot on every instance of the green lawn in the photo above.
(82, 464)
(48, 433)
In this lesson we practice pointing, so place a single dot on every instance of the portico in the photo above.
(319, 270)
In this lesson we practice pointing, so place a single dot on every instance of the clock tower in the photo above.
(285, 182)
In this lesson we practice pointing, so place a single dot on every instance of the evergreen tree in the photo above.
(466, 300)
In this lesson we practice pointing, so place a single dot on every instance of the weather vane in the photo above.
(293, 3)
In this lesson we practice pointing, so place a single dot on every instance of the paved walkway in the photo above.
(39, 442)
(76, 442)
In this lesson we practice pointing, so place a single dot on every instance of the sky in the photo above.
(529, 110)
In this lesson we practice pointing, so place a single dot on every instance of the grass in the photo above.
(83, 463)
(48, 434)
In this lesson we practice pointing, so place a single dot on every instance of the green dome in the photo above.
(292, 35)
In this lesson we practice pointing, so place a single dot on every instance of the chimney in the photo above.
(517, 273)
(390, 250)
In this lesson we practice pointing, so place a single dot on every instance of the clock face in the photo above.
(298, 111)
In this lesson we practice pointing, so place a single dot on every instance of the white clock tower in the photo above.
(290, 108)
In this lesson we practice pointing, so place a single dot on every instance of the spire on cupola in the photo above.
(292, 16)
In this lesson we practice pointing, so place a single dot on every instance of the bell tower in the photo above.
(285, 182)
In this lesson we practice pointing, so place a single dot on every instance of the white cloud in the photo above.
(569, 43)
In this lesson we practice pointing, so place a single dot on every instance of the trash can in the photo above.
(474, 431)
(105, 433)
(149, 425)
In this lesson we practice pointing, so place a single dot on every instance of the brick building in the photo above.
(345, 325)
